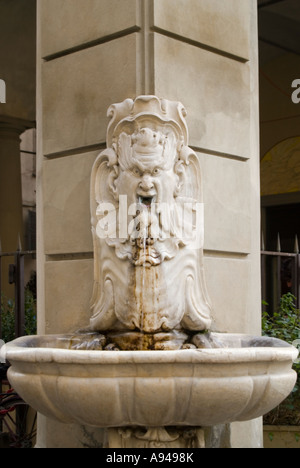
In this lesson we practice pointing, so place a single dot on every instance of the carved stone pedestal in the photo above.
(156, 437)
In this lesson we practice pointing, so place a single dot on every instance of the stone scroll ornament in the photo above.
(147, 223)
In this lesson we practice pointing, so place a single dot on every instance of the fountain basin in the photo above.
(243, 380)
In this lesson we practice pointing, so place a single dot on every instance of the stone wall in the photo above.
(93, 53)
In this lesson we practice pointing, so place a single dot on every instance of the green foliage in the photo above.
(285, 325)
(7, 319)
(8, 316)
(30, 314)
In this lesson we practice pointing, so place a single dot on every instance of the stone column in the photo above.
(99, 52)
(11, 218)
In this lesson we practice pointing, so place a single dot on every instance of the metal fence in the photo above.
(280, 275)
(15, 276)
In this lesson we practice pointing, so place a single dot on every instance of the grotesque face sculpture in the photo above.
(147, 162)
(145, 192)
(149, 176)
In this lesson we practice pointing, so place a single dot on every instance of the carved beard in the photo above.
(155, 235)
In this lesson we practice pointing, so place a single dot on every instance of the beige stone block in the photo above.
(68, 291)
(229, 289)
(214, 89)
(67, 226)
(70, 23)
(226, 194)
(79, 88)
(248, 434)
(213, 23)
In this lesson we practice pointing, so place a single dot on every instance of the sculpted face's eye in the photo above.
(136, 172)
(156, 171)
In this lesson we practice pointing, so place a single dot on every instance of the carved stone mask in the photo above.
(145, 192)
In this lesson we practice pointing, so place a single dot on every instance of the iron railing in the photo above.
(15, 275)
(280, 273)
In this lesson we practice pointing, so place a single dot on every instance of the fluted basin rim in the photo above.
(39, 349)
(195, 387)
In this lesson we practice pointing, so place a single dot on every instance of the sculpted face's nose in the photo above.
(146, 184)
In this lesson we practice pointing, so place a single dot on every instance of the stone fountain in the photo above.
(147, 366)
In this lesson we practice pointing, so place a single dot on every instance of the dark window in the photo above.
(285, 221)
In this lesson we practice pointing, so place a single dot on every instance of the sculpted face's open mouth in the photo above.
(146, 199)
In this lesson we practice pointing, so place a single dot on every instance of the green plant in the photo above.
(7, 319)
(30, 313)
(8, 316)
(285, 325)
